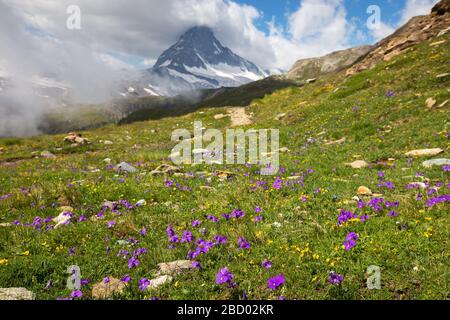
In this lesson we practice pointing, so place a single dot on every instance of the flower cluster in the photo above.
(350, 241)
(275, 282)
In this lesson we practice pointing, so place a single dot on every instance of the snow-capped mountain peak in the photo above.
(199, 61)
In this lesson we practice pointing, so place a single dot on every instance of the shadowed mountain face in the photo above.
(199, 61)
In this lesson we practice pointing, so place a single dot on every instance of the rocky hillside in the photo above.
(315, 67)
(417, 30)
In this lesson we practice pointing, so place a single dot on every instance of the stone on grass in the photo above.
(174, 267)
(126, 167)
(364, 191)
(47, 155)
(220, 116)
(159, 282)
(16, 294)
(430, 102)
(358, 164)
(424, 152)
(164, 169)
(340, 141)
(436, 162)
(102, 290)
(76, 139)
(62, 219)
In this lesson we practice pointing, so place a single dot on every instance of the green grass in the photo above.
(299, 233)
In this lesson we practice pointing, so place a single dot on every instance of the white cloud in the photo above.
(416, 8)
(147, 27)
(412, 8)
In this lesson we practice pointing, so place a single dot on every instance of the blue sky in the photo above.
(391, 12)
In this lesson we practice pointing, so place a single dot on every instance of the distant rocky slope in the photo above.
(417, 29)
(314, 67)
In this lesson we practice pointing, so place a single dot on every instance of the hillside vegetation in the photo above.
(302, 226)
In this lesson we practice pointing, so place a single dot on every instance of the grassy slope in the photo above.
(308, 243)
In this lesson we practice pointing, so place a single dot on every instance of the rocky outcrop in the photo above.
(16, 294)
(314, 67)
(417, 29)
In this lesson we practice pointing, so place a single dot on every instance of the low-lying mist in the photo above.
(29, 60)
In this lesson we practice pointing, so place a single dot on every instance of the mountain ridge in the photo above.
(198, 60)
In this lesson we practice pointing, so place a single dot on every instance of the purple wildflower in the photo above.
(187, 237)
(143, 284)
(393, 214)
(76, 294)
(224, 277)
(243, 244)
(267, 264)
(111, 224)
(257, 218)
(133, 262)
(336, 279)
(218, 239)
(275, 282)
(237, 214)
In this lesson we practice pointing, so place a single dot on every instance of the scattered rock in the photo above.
(207, 188)
(424, 152)
(76, 139)
(47, 155)
(437, 43)
(5, 225)
(164, 169)
(16, 294)
(430, 102)
(126, 167)
(102, 290)
(63, 218)
(159, 282)
(109, 204)
(220, 116)
(358, 164)
(443, 104)
(141, 203)
(340, 141)
(436, 162)
(311, 80)
(421, 185)
(364, 191)
(107, 160)
(107, 142)
(174, 267)
(442, 75)
(224, 175)
(280, 116)
(284, 150)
